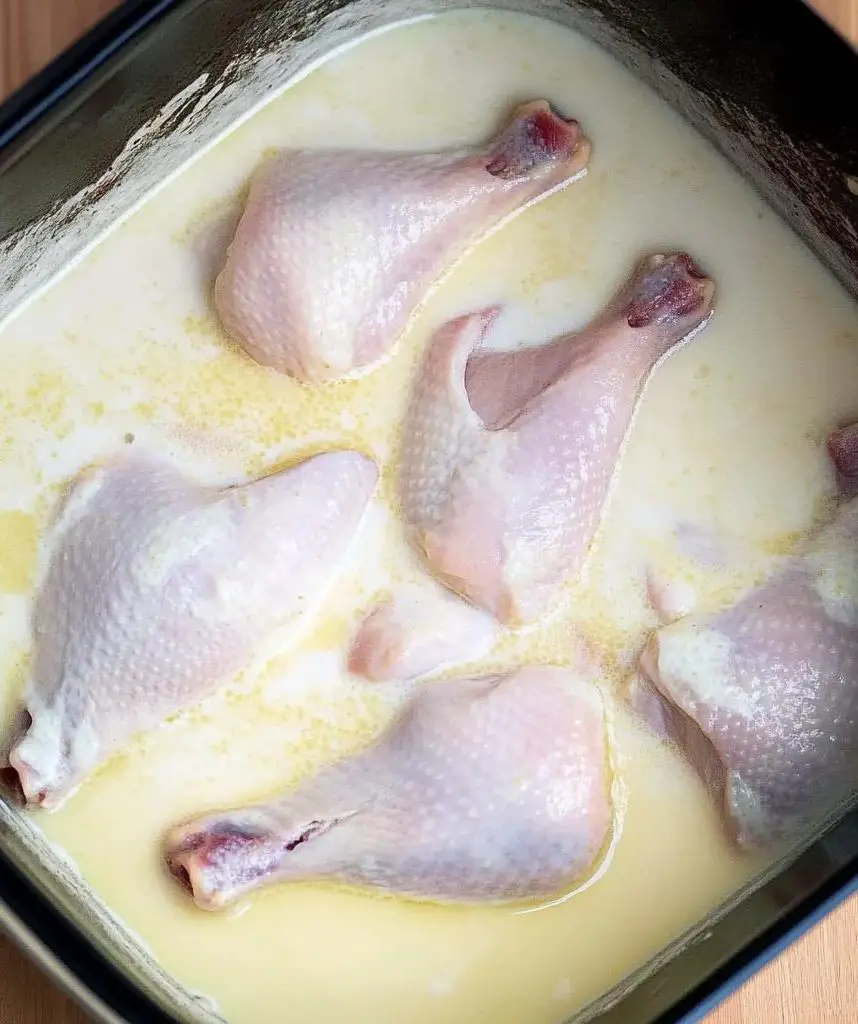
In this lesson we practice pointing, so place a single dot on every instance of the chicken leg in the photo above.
(335, 249)
(508, 456)
(158, 588)
(763, 695)
(481, 790)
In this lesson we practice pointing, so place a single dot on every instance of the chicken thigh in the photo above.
(763, 696)
(418, 631)
(157, 588)
(508, 456)
(335, 248)
(482, 789)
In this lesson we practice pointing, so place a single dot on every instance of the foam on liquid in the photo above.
(125, 350)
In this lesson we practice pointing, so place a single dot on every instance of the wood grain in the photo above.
(843, 14)
(814, 982)
(34, 31)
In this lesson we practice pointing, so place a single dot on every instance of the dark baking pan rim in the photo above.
(42, 93)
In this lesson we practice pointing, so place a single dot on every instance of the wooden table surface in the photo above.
(814, 982)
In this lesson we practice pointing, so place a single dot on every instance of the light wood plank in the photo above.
(32, 32)
(843, 14)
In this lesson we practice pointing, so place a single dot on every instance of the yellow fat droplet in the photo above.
(18, 545)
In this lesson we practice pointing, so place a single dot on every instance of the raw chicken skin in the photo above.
(482, 789)
(763, 696)
(418, 631)
(508, 456)
(158, 588)
(335, 248)
(843, 449)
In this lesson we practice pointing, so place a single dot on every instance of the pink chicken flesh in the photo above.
(418, 631)
(335, 248)
(763, 696)
(508, 456)
(158, 588)
(482, 789)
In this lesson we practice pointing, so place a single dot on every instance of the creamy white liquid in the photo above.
(728, 437)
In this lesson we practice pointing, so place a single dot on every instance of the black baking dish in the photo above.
(768, 83)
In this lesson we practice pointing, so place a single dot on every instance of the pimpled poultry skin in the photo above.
(335, 248)
(157, 588)
(417, 631)
(492, 789)
(508, 456)
(763, 696)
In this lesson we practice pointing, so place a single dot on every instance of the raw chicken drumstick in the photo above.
(508, 456)
(158, 588)
(763, 696)
(482, 789)
(335, 248)
(417, 631)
